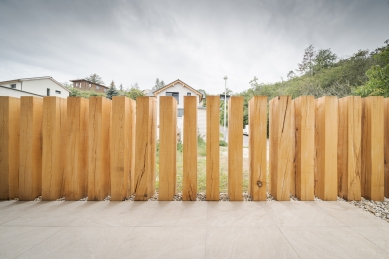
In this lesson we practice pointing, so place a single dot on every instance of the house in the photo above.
(86, 85)
(35, 86)
(178, 89)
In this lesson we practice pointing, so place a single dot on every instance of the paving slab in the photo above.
(152, 229)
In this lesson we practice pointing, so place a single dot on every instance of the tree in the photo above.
(324, 59)
(158, 85)
(134, 92)
(112, 91)
(95, 78)
(121, 87)
(307, 63)
(291, 75)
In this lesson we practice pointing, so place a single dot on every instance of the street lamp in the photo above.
(225, 99)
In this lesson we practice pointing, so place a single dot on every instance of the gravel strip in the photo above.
(377, 208)
(61, 199)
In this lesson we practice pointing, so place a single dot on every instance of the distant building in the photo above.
(35, 86)
(85, 85)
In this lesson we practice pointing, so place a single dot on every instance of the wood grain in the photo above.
(9, 147)
(98, 151)
(386, 147)
(235, 148)
(305, 147)
(167, 147)
(30, 167)
(257, 147)
(189, 184)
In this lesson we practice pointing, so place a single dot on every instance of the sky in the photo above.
(199, 42)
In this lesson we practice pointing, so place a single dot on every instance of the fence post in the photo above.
(167, 147)
(212, 142)
(145, 147)
(305, 147)
(30, 167)
(53, 147)
(235, 148)
(282, 147)
(372, 184)
(76, 167)
(98, 151)
(257, 147)
(386, 146)
(189, 185)
(9, 147)
(122, 147)
(349, 148)
(326, 138)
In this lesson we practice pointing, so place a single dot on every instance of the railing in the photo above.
(93, 148)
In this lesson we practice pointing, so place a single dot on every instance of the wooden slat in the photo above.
(189, 185)
(145, 147)
(122, 147)
(9, 147)
(372, 182)
(305, 147)
(98, 151)
(30, 167)
(282, 147)
(386, 147)
(167, 147)
(349, 148)
(326, 138)
(76, 167)
(53, 147)
(257, 147)
(235, 148)
(212, 142)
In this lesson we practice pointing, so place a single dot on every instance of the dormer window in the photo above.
(13, 86)
(175, 95)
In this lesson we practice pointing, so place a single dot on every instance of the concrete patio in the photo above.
(190, 230)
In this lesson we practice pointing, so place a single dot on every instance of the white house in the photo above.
(178, 89)
(35, 86)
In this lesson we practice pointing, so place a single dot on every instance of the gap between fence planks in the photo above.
(189, 182)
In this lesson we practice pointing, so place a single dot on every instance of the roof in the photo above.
(35, 78)
(181, 82)
(83, 79)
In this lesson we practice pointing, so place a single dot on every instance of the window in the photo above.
(13, 86)
(90, 85)
(48, 91)
(175, 95)
(180, 112)
(97, 87)
(57, 92)
(76, 84)
(188, 94)
(105, 90)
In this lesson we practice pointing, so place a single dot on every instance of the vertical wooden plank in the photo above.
(349, 148)
(122, 149)
(76, 167)
(212, 142)
(53, 147)
(189, 185)
(372, 183)
(326, 137)
(235, 148)
(167, 147)
(386, 147)
(305, 147)
(98, 151)
(30, 167)
(9, 147)
(257, 147)
(145, 148)
(282, 147)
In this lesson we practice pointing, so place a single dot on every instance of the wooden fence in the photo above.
(93, 148)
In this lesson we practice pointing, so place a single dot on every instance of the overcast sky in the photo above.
(198, 42)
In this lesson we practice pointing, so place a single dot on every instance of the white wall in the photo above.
(39, 87)
(5, 91)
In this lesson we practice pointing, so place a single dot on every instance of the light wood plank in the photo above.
(9, 147)
(257, 147)
(30, 167)
(235, 148)
(282, 147)
(189, 185)
(305, 147)
(386, 147)
(212, 142)
(167, 147)
(98, 151)
(145, 148)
